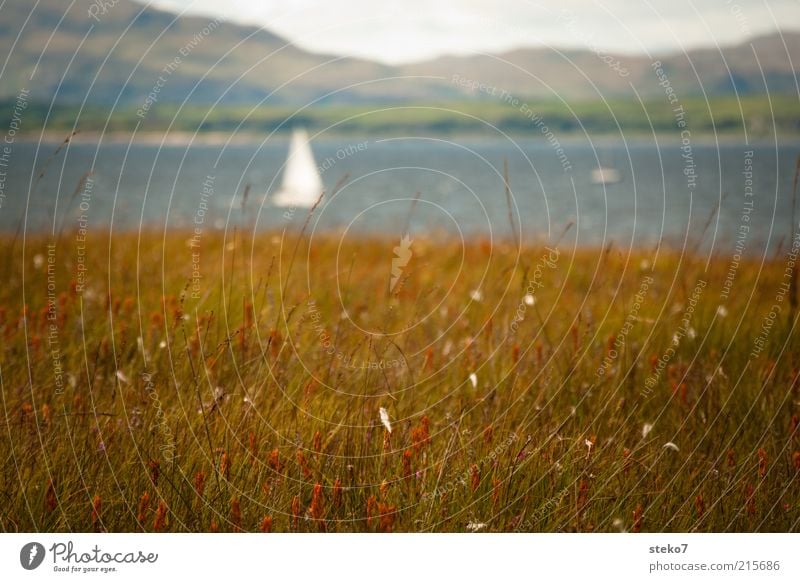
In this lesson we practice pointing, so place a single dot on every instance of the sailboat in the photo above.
(604, 175)
(302, 184)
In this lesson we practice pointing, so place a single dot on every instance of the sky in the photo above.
(398, 31)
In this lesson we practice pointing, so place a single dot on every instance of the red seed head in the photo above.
(155, 471)
(275, 461)
(266, 524)
(51, 501)
(144, 506)
(387, 513)
(475, 477)
(371, 505)
(638, 518)
(236, 514)
(199, 483)
(295, 511)
(407, 455)
(317, 508)
(97, 509)
(700, 506)
(225, 466)
(160, 522)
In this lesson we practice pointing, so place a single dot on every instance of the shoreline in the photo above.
(182, 138)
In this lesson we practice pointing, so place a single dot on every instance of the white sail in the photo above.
(604, 175)
(302, 185)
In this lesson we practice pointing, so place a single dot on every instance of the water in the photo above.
(460, 186)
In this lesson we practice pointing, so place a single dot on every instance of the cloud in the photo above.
(401, 31)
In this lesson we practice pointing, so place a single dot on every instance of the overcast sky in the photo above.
(408, 30)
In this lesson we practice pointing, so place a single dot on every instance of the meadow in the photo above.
(730, 117)
(280, 382)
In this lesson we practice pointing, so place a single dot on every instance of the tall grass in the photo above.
(516, 394)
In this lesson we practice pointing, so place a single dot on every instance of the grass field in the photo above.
(757, 115)
(196, 382)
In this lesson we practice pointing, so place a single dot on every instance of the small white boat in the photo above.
(302, 184)
(604, 175)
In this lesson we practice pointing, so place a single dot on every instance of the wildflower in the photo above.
(317, 441)
(671, 446)
(213, 528)
(589, 445)
(122, 377)
(144, 505)
(476, 295)
(225, 466)
(473, 526)
(385, 418)
(266, 524)
(46, 415)
(473, 378)
(722, 311)
(529, 299)
(731, 458)
(646, 428)
(796, 459)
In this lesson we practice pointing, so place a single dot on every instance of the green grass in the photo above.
(760, 115)
(237, 379)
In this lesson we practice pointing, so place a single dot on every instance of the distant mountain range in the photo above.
(124, 52)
